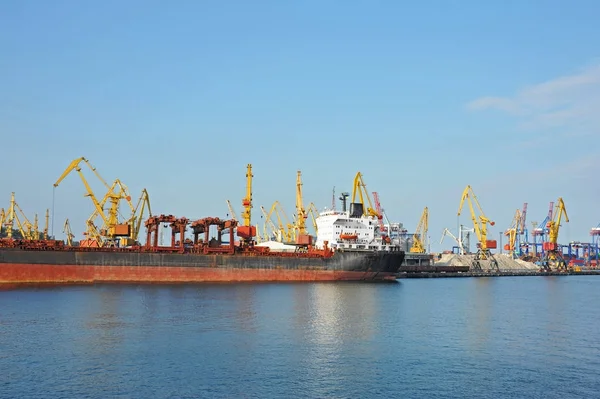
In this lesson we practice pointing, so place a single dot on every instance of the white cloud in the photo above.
(569, 104)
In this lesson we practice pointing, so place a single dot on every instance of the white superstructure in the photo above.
(342, 231)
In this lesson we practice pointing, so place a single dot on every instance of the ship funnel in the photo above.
(356, 209)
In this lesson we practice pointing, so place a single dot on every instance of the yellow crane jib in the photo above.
(360, 188)
(479, 222)
(286, 229)
(420, 235)
(554, 226)
(111, 228)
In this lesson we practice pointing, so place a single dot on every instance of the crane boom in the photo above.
(231, 211)
(420, 234)
(360, 188)
(480, 225)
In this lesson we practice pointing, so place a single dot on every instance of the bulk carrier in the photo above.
(348, 251)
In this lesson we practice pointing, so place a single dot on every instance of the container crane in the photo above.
(420, 235)
(540, 230)
(552, 253)
(247, 232)
(480, 224)
(360, 188)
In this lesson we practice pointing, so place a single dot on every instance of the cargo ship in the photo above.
(201, 259)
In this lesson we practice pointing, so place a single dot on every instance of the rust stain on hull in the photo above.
(14, 275)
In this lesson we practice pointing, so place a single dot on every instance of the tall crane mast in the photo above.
(247, 232)
(480, 224)
(300, 211)
(247, 201)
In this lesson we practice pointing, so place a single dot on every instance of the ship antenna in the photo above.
(333, 199)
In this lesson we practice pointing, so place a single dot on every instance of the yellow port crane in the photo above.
(286, 230)
(512, 233)
(360, 188)
(112, 228)
(420, 235)
(480, 224)
(247, 232)
(552, 252)
(301, 215)
(138, 214)
(27, 230)
(247, 200)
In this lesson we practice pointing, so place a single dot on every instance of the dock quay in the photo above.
(502, 273)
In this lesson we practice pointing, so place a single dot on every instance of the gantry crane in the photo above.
(513, 232)
(301, 214)
(420, 235)
(360, 188)
(69, 234)
(552, 253)
(247, 232)
(480, 224)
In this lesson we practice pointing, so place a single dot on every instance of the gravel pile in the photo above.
(505, 262)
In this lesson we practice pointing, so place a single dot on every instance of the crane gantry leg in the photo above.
(485, 255)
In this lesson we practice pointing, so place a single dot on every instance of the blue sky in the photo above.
(422, 97)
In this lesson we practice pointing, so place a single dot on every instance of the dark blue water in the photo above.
(528, 337)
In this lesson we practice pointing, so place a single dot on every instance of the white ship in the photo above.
(352, 230)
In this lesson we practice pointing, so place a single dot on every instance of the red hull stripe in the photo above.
(37, 274)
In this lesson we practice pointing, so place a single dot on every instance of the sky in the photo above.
(423, 98)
